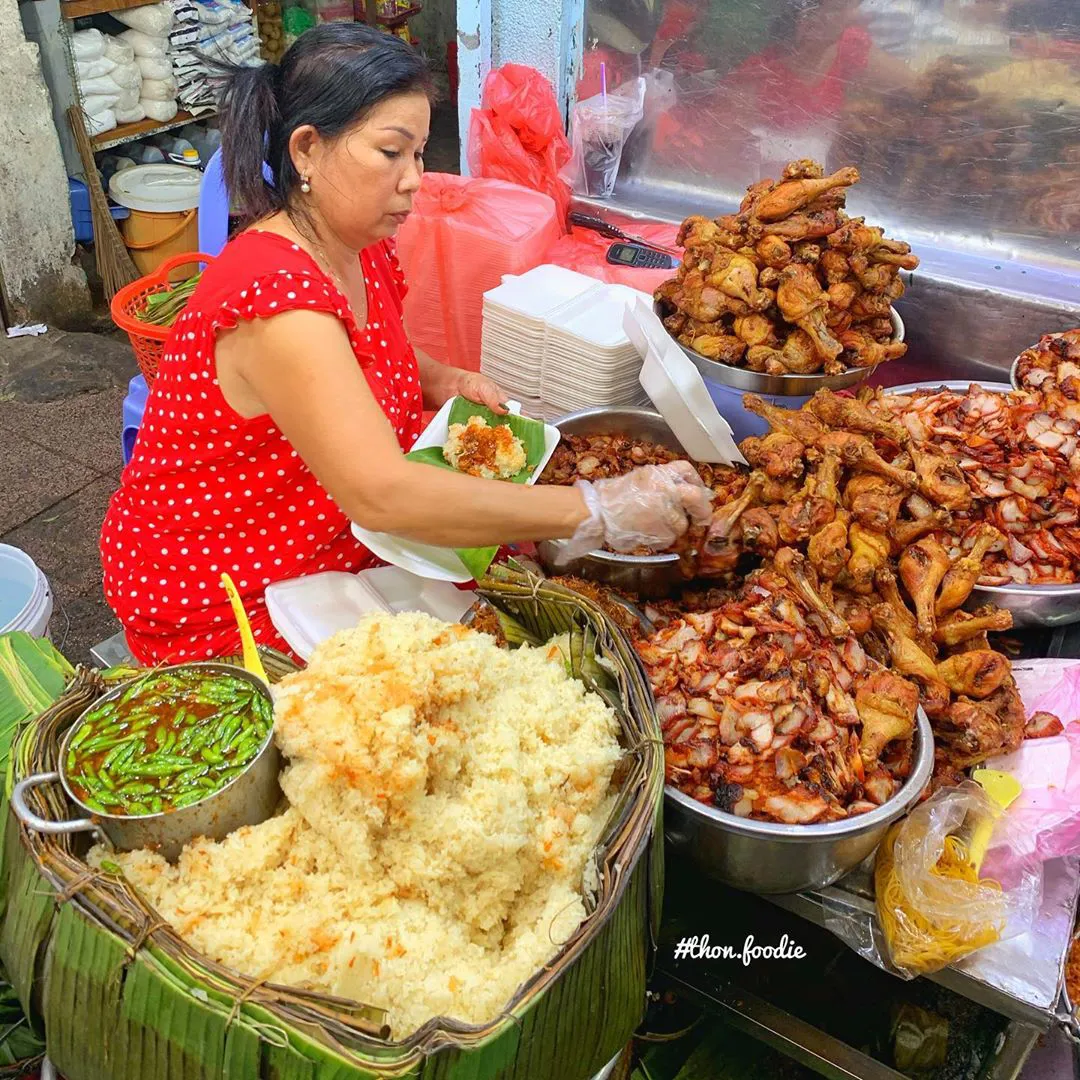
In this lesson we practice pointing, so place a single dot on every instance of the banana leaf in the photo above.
(531, 434)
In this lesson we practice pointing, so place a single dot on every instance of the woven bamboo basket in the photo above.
(121, 997)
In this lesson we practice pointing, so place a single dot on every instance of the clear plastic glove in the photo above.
(650, 507)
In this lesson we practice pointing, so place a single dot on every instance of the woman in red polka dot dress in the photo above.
(288, 392)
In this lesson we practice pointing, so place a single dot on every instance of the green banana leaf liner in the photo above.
(531, 434)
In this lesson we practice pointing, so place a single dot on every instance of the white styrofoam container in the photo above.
(308, 610)
(427, 560)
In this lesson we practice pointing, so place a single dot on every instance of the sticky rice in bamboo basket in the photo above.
(558, 985)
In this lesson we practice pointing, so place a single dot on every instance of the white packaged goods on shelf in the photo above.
(130, 116)
(153, 19)
(158, 89)
(161, 111)
(127, 101)
(103, 84)
(154, 67)
(127, 76)
(87, 44)
(92, 69)
(99, 104)
(145, 44)
(99, 123)
(119, 52)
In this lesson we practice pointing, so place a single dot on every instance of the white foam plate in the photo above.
(308, 610)
(427, 560)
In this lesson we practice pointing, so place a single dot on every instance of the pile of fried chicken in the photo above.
(1053, 367)
(768, 712)
(789, 284)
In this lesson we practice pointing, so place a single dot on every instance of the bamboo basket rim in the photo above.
(342, 1026)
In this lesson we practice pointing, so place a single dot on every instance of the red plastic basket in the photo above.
(148, 340)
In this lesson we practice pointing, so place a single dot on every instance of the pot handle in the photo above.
(39, 824)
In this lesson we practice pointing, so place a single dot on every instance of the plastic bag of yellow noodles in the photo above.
(935, 902)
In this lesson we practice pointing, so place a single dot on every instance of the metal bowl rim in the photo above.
(1046, 591)
(899, 804)
(61, 765)
(850, 376)
(599, 555)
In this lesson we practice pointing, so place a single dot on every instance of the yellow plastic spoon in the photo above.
(251, 654)
(1003, 789)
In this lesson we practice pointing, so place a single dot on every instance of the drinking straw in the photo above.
(603, 81)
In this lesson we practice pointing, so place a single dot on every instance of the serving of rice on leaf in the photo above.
(445, 797)
(490, 451)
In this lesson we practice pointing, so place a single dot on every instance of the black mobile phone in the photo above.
(637, 255)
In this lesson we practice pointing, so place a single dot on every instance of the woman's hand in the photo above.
(473, 386)
(650, 507)
(440, 383)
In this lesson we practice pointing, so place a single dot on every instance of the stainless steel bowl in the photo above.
(249, 799)
(1031, 605)
(648, 576)
(756, 382)
(768, 858)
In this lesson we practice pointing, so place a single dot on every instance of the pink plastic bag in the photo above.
(1045, 819)
(461, 238)
(518, 134)
(585, 251)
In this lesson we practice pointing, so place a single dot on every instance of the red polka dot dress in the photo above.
(208, 491)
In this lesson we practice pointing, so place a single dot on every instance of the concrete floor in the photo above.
(60, 417)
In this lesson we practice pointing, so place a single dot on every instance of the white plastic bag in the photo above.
(161, 111)
(145, 44)
(88, 44)
(128, 99)
(99, 123)
(154, 67)
(103, 84)
(153, 19)
(130, 116)
(93, 69)
(127, 76)
(601, 126)
(158, 89)
(119, 52)
(96, 104)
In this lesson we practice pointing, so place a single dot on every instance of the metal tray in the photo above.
(1031, 605)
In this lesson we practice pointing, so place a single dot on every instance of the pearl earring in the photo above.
(305, 187)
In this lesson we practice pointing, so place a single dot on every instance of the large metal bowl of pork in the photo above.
(769, 858)
(1030, 605)
(647, 576)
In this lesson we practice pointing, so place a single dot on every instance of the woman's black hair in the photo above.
(330, 78)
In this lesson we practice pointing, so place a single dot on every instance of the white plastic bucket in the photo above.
(26, 601)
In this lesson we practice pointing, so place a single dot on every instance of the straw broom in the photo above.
(110, 252)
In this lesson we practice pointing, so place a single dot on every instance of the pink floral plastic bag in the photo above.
(1045, 819)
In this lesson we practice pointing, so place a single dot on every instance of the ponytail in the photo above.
(330, 78)
(249, 109)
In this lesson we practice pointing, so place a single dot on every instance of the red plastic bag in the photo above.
(586, 251)
(518, 134)
(462, 236)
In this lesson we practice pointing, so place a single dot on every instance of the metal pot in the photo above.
(248, 799)
(767, 858)
(1031, 605)
(757, 382)
(648, 576)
